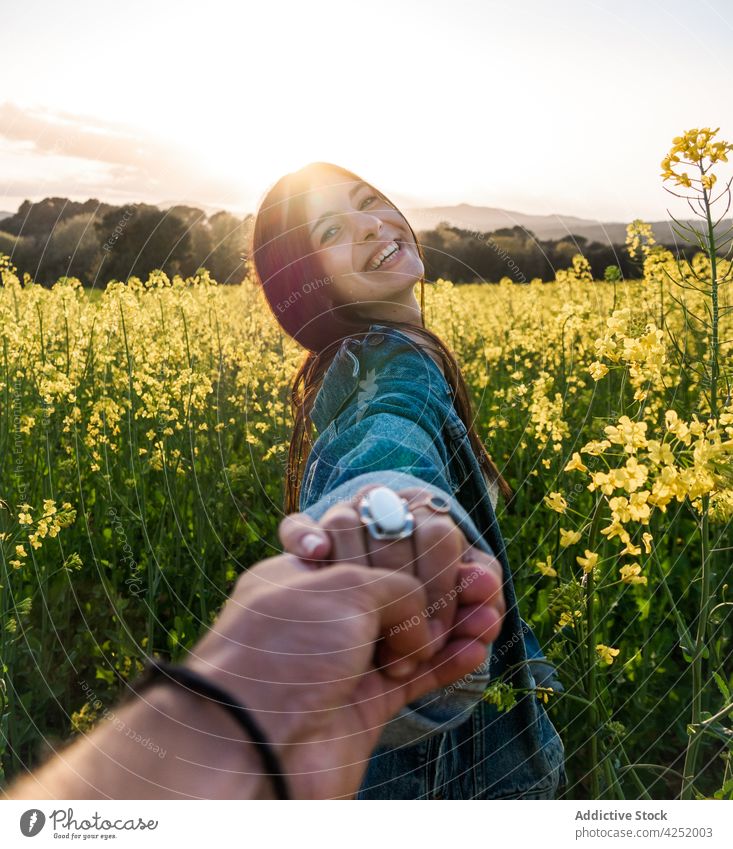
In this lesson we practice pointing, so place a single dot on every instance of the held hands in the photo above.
(432, 554)
(297, 642)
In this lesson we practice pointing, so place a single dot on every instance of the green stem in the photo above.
(714, 341)
(694, 734)
(591, 689)
(590, 653)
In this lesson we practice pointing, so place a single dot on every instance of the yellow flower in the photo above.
(575, 464)
(630, 574)
(543, 693)
(26, 423)
(606, 653)
(620, 509)
(629, 434)
(556, 502)
(639, 510)
(616, 529)
(595, 448)
(693, 147)
(20, 551)
(569, 537)
(546, 567)
(639, 234)
(659, 452)
(676, 426)
(588, 562)
(597, 370)
(646, 539)
(24, 514)
(636, 475)
(568, 618)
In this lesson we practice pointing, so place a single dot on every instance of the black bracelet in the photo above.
(159, 670)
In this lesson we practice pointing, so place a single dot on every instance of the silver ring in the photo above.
(386, 514)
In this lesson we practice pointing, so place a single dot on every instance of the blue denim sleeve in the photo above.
(393, 450)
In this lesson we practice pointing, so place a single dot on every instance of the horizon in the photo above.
(533, 135)
(209, 211)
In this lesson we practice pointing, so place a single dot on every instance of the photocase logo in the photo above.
(367, 391)
(31, 822)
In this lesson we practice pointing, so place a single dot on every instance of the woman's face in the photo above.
(350, 229)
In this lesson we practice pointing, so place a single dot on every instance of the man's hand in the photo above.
(296, 644)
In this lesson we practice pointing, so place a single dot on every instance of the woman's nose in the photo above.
(366, 227)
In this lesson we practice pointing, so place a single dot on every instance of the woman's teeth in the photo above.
(384, 256)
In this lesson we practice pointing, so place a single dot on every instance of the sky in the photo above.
(539, 107)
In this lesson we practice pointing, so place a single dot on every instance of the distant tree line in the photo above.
(98, 242)
(465, 256)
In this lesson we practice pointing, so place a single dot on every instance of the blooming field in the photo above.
(143, 440)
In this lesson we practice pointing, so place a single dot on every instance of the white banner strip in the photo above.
(487, 823)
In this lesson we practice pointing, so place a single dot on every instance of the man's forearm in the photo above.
(206, 755)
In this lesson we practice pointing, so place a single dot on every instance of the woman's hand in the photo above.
(433, 553)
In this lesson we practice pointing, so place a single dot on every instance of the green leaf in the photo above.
(726, 791)
(722, 686)
(106, 675)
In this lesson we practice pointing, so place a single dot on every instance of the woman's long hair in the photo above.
(298, 294)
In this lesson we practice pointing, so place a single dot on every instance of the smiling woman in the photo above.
(318, 235)
(363, 242)
(386, 414)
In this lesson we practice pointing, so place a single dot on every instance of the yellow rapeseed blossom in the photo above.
(546, 567)
(693, 148)
(24, 514)
(595, 448)
(568, 618)
(606, 653)
(676, 426)
(639, 235)
(575, 464)
(628, 433)
(659, 453)
(544, 693)
(26, 423)
(568, 538)
(631, 574)
(556, 502)
(597, 370)
(616, 529)
(588, 562)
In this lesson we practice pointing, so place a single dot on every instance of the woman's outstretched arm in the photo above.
(391, 442)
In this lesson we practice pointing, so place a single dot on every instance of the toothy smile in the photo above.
(384, 256)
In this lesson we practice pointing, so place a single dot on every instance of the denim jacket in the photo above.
(384, 414)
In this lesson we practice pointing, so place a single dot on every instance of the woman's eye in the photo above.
(326, 236)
